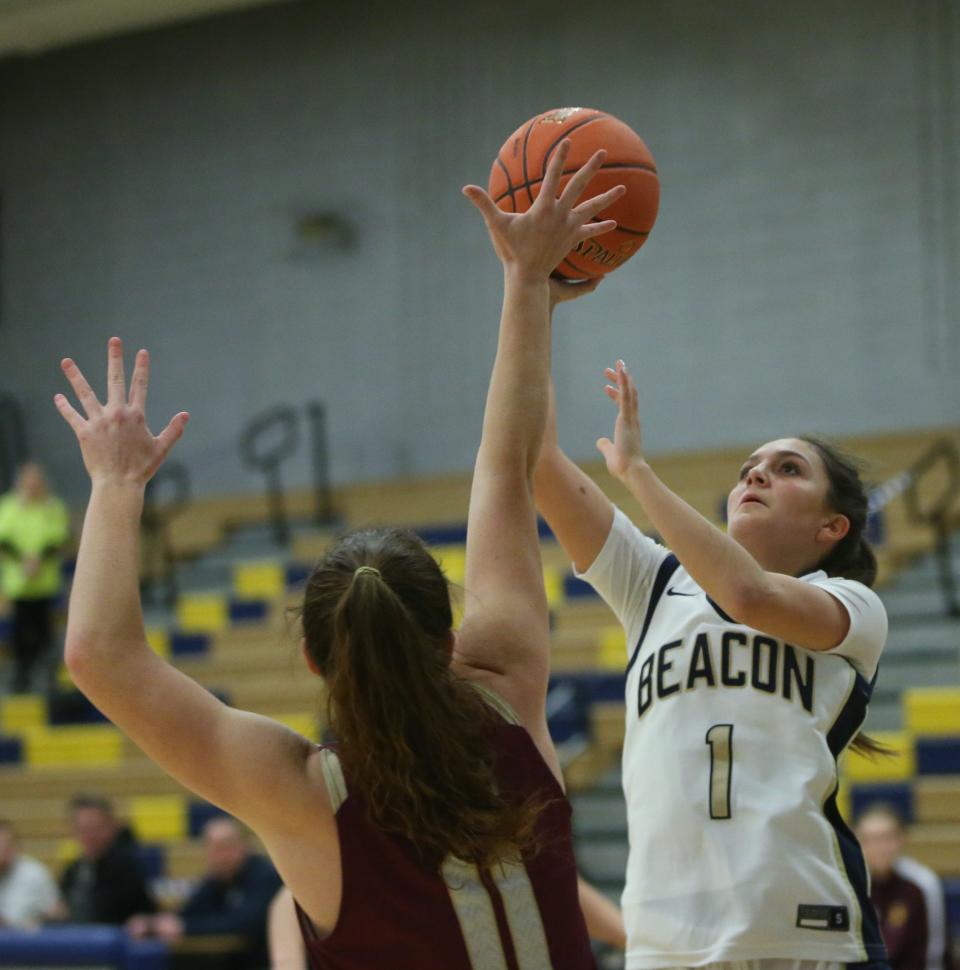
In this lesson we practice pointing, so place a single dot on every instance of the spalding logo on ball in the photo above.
(518, 171)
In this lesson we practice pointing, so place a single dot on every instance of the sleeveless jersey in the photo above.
(737, 849)
(397, 912)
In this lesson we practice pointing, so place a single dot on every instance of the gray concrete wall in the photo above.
(151, 186)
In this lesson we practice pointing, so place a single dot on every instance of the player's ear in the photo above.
(834, 529)
(311, 663)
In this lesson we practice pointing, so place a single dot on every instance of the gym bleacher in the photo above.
(231, 629)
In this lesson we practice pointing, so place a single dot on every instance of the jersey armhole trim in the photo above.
(333, 776)
(495, 701)
(667, 568)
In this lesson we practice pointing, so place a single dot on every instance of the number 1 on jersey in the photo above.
(720, 739)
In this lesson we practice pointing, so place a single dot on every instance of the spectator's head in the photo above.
(93, 823)
(9, 845)
(225, 846)
(882, 835)
(31, 482)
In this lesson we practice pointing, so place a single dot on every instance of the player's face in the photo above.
(882, 843)
(781, 492)
(94, 830)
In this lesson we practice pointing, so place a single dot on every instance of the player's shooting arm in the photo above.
(773, 603)
(574, 506)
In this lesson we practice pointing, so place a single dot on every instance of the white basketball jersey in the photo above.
(737, 849)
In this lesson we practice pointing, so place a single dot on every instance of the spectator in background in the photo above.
(33, 529)
(232, 899)
(106, 884)
(28, 893)
(908, 896)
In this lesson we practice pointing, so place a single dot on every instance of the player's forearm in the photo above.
(717, 563)
(105, 621)
(516, 401)
(574, 506)
(604, 920)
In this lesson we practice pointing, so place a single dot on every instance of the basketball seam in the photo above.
(526, 138)
(603, 168)
(509, 191)
(566, 134)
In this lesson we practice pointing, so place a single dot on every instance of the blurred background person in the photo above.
(232, 898)
(106, 884)
(908, 896)
(34, 526)
(28, 892)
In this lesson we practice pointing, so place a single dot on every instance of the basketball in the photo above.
(519, 167)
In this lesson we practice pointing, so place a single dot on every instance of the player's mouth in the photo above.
(750, 498)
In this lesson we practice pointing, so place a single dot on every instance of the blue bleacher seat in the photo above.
(182, 644)
(11, 751)
(297, 574)
(897, 794)
(83, 946)
(938, 756)
(574, 588)
(72, 707)
(4, 628)
(248, 611)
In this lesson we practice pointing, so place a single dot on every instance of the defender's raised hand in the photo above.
(115, 441)
(534, 242)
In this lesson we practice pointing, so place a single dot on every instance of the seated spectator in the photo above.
(106, 884)
(28, 893)
(34, 527)
(908, 896)
(232, 899)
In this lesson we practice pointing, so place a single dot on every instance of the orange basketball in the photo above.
(518, 170)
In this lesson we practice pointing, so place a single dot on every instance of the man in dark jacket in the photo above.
(106, 884)
(232, 899)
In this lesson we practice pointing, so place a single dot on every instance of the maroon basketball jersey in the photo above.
(397, 913)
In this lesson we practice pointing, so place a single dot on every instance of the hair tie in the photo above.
(367, 569)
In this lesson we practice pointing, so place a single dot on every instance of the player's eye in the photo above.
(743, 472)
(791, 468)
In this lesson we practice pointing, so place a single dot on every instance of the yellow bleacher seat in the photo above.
(203, 613)
(899, 766)
(932, 710)
(553, 584)
(159, 818)
(264, 580)
(453, 561)
(54, 747)
(613, 648)
(305, 724)
(24, 711)
(159, 641)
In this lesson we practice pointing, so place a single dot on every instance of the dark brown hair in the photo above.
(852, 557)
(415, 741)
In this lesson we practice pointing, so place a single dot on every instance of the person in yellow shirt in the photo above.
(34, 527)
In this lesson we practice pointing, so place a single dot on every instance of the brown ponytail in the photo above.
(414, 740)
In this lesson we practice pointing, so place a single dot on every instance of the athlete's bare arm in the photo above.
(603, 918)
(574, 506)
(504, 638)
(774, 603)
(249, 765)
